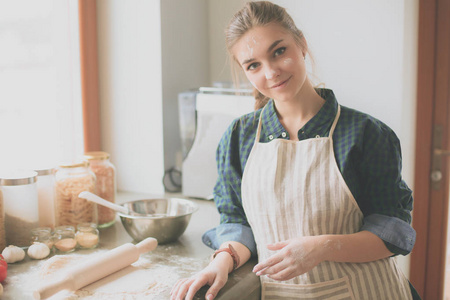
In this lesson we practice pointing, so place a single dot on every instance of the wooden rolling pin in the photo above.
(96, 268)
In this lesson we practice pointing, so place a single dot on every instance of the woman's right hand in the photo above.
(215, 275)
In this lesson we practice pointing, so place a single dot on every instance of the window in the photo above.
(40, 94)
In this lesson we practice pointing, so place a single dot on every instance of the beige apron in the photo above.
(293, 189)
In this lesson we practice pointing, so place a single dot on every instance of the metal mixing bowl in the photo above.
(164, 219)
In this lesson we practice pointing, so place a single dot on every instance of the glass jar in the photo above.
(42, 235)
(70, 181)
(87, 235)
(2, 223)
(46, 197)
(104, 172)
(64, 239)
(20, 198)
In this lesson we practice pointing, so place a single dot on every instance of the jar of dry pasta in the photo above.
(70, 181)
(104, 171)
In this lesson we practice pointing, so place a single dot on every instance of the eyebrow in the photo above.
(274, 44)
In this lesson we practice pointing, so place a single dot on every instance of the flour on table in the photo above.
(151, 277)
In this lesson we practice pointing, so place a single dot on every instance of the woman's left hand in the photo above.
(296, 256)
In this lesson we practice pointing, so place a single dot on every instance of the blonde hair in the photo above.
(254, 14)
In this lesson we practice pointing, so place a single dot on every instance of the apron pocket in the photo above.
(338, 289)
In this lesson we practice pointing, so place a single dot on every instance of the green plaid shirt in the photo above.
(367, 153)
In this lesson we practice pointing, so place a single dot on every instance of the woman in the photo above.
(312, 188)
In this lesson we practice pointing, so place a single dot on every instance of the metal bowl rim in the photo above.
(191, 203)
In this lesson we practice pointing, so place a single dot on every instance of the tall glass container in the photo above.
(70, 181)
(2, 223)
(46, 197)
(104, 171)
(20, 198)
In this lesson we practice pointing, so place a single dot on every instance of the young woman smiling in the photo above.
(312, 188)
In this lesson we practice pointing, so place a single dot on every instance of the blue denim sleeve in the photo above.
(397, 234)
(227, 232)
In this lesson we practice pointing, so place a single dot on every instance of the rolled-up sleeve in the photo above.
(398, 235)
(215, 237)
(227, 194)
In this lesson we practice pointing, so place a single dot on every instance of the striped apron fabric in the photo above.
(294, 189)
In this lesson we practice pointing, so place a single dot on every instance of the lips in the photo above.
(279, 84)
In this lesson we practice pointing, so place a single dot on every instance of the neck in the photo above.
(294, 114)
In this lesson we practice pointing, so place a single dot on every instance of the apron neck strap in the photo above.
(258, 131)
(335, 121)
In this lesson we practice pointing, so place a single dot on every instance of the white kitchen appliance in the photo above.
(215, 110)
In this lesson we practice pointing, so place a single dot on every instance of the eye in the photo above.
(279, 51)
(252, 66)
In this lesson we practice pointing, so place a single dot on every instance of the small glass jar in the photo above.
(70, 181)
(87, 235)
(42, 235)
(64, 239)
(20, 198)
(104, 172)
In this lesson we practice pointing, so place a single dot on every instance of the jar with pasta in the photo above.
(70, 181)
(104, 171)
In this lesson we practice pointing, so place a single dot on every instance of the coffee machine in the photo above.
(204, 117)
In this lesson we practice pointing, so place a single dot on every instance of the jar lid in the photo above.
(64, 228)
(75, 164)
(97, 155)
(86, 225)
(43, 172)
(17, 177)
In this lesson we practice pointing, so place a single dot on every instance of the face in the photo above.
(272, 62)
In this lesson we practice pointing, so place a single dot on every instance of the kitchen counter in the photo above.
(154, 273)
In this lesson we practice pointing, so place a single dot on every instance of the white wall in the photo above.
(129, 43)
(185, 64)
(366, 51)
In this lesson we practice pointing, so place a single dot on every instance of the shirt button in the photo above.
(270, 137)
(283, 134)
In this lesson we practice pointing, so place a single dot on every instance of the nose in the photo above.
(271, 72)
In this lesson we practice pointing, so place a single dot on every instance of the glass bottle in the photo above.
(87, 235)
(46, 197)
(104, 171)
(2, 223)
(42, 235)
(64, 239)
(70, 181)
(20, 198)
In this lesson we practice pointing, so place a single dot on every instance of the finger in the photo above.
(274, 268)
(195, 286)
(285, 274)
(278, 245)
(183, 288)
(218, 284)
(177, 285)
(268, 263)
